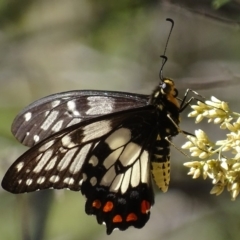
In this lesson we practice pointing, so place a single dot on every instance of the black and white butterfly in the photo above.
(108, 145)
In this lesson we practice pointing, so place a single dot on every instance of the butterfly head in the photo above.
(168, 88)
(165, 93)
(169, 91)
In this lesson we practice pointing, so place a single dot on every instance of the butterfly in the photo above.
(108, 145)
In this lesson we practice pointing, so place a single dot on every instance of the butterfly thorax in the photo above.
(164, 99)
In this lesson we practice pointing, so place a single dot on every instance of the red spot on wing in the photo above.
(131, 217)
(108, 206)
(145, 206)
(96, 204)
(117, 219)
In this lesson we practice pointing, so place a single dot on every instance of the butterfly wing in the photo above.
(107, 157)
(58, 111)
(118, 169)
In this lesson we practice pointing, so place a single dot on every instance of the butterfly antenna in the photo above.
(164, 58)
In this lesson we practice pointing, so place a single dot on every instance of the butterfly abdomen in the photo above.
(160, 163)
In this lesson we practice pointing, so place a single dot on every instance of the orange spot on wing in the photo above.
(145, 206)
(117, 219)
(108, 206)
(131, 217)
(96, 204)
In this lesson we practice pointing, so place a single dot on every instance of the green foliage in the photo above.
(219, 3)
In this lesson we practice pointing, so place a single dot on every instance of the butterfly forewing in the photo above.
(51, 114)
(60, 157)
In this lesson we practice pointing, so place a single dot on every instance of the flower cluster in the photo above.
(211, 162)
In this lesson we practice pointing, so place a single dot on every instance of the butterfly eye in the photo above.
(164, 85)
(166, 88)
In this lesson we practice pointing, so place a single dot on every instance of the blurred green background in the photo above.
(49, 46)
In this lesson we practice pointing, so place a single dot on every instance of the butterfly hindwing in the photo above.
(116, 175)
(53, 113)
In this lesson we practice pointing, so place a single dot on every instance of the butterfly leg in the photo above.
(168, 139)
(185, 102)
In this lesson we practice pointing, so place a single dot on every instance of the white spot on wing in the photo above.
(62, 150)
(51, 164)
(19, 166)
(108, 177)
(112, 158)
(55, 103)
(93, 181)
(29, 182)
(57, 126)
(39, 157)
(96, 130)
(80, 182)
(36, 138)
(125, 182)
(116, 183)
(135, 177)
(79, 160)
(84, 177)
(71, 105)
(130, 154)
(69, 180)
(54, 178)
(67, 142)
(93, 160)
(49, 120)
(72, 108)
(65, 161)
(45, 146)
(27, 116)
(99, 105)
(45, 157)
(41, 180)
(74, 121)
(144, 162)
(119, 138)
